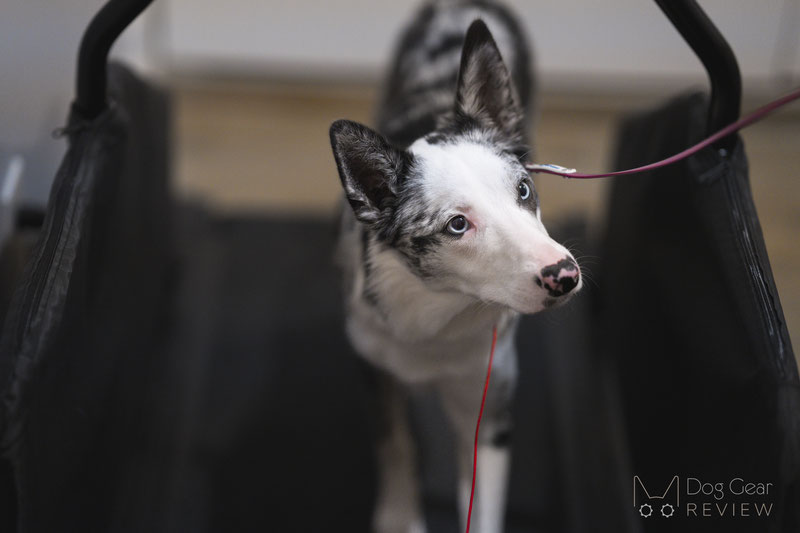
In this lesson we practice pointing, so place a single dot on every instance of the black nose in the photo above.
(559, 278)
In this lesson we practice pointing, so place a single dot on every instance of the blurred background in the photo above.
(257, 83)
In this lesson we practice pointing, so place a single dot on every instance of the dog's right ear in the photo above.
(370, 169)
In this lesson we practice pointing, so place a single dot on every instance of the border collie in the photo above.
(443, 241)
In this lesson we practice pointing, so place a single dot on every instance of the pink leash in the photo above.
(755, 116)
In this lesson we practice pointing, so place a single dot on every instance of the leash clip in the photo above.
(539, 167)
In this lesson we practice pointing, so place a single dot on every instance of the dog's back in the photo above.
(422, 81)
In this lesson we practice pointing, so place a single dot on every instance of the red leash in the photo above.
(478, 426)
(755, 116)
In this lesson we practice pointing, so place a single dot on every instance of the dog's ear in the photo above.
(485, 89)
(369, 167)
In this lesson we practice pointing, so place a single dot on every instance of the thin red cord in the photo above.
(478, 426)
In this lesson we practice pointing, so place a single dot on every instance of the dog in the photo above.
(442, 241)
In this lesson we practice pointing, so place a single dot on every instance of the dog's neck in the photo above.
(413, 311)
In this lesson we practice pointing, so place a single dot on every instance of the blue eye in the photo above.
(458, 225)
(524, 190)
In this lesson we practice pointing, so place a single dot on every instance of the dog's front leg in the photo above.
(461, 400)
(398, 509)
(490, 487)
(488, 511)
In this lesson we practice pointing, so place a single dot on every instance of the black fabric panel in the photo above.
(690, 312)
(74, 354)
(272, 408)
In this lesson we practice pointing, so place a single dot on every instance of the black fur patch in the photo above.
(423, 244)
(448, 43)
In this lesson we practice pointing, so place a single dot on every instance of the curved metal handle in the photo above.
(103, 30)
(718, 59)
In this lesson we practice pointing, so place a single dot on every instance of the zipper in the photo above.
(33, 294)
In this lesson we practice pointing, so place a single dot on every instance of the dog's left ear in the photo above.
(485, 90)
(370, 169)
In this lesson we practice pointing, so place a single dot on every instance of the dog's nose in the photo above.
(559, 278)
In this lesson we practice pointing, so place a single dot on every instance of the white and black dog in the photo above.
(444, 241)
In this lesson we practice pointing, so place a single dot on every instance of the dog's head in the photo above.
(458, 204)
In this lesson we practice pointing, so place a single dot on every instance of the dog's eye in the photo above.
(457, 225)
(524, 190)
